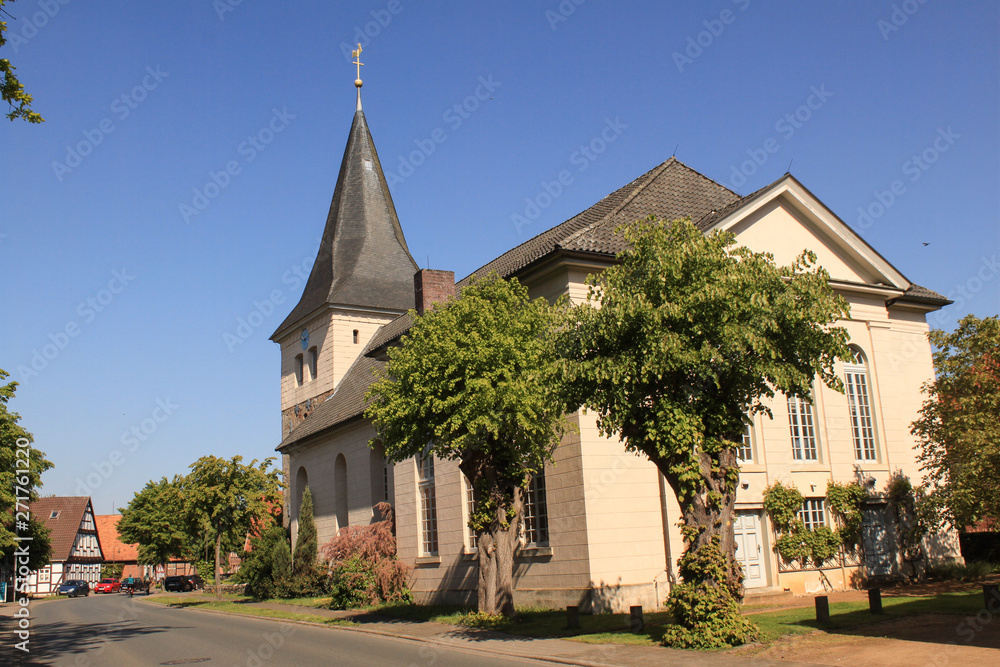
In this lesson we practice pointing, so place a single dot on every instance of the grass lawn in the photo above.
(239, 607)
(851, 614)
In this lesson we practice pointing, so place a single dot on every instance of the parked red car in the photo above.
(108, 586)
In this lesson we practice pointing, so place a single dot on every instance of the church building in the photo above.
(600, 529)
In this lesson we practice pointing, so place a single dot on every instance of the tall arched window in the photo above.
(340, 490)
(299, 370)
(313, 363)
(859, 405)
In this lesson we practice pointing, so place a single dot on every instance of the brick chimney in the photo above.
(430, 287)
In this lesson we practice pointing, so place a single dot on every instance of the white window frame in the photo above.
(427, 494)
(535, 522)
(802, 428)
(470, 505)
(744, 450)
(813, 513)
(857, 387)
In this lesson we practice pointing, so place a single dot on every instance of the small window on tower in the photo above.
(313, 363)
(368, 165)
(299, 368)
(355, 336)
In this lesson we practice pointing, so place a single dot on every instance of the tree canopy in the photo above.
(21, 468)
(959, 423)
(677, 347)
(224, 498)
(475, 380)
(11, 89)
(154, 520)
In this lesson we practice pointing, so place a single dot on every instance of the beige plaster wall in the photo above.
(332, 333)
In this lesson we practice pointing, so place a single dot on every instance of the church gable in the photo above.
(785, 219)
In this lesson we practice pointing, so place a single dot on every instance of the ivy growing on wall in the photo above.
(795, 542)
(846, 501)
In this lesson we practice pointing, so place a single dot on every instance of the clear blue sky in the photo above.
(144, 101)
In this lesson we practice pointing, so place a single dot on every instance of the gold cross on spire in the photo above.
(357, 61)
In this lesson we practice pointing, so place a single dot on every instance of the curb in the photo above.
(425, 640)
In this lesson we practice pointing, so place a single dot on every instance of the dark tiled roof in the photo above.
(347, 402)
(389, 333)
(714, 216)
(917, 292)
(671, 190)
(66, 525)
(363, 259)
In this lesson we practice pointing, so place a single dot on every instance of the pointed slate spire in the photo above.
(363, 260)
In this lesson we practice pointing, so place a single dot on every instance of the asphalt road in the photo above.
(115, 630)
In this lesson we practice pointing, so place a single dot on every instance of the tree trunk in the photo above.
(218, 566)
(486, 594)
(506, 543)
(709, 512)
(496, 544)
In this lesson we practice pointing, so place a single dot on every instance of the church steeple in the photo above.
(363, 261)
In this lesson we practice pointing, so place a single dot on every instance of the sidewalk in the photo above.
(558, 651)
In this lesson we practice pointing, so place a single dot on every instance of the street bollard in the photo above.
(822, 609)
(875, 600)
(573, 618)
(635, 618)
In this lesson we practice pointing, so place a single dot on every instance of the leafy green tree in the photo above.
(226, 498)
(676, 347)
(959, 423)
(476, 380)
(154, 521)
(21, 468)
(11, 89)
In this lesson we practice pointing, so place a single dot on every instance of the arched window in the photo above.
(301, 480)
(856, 386)
(428, 505)
(378, 479)
(299, 370)
(313, 363)
(340, 490)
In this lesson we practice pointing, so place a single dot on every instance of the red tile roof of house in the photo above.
(63, 516)
(115, 551)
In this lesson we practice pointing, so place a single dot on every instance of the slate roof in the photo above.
(347, 402)
(114, 550)
(363, 259)
(670, 190)
(66, 525)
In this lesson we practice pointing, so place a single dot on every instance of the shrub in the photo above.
(364, 569)
(268, 554)
(949, 569)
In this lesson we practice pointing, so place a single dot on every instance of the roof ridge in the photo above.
(701, 175)
(652, 175)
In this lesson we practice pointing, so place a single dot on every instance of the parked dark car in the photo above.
(177, 583)
(74, 587)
